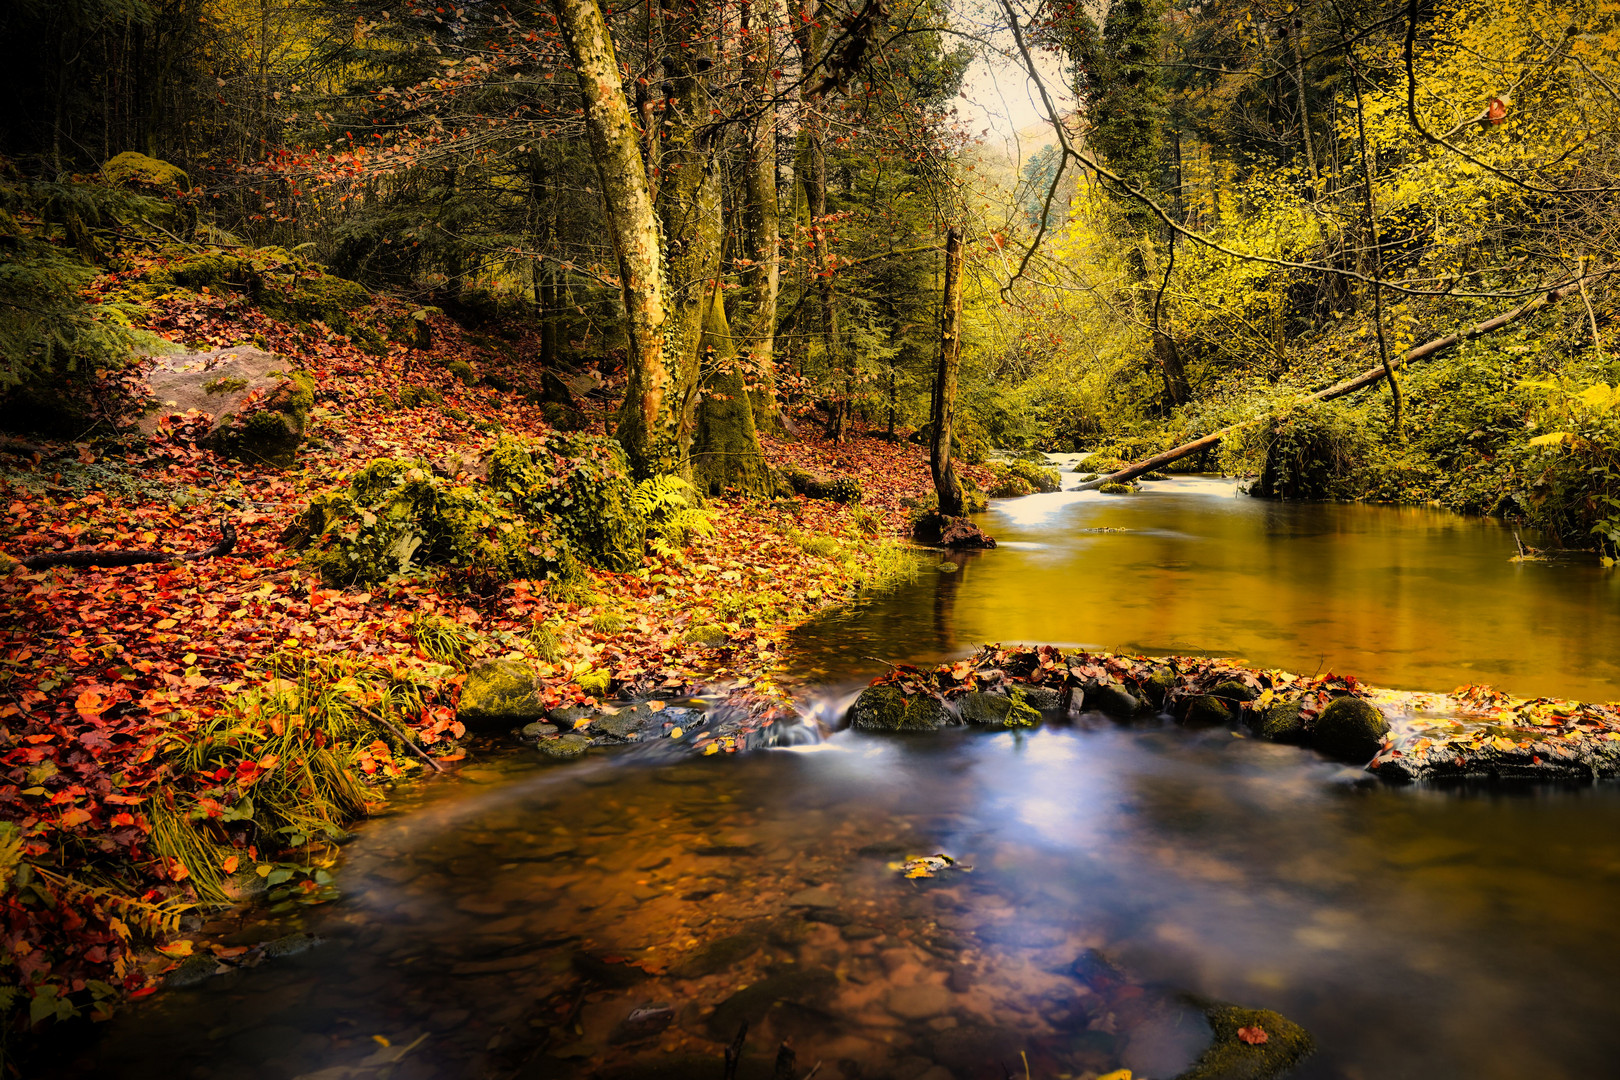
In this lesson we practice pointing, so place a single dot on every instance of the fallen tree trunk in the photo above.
(86, 557)
(1339, 389)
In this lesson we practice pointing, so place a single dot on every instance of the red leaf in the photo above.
(1254, 1036)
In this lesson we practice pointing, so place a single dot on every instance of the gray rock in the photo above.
(1349, 729)
(627, 723)
(498, 696)
(1111, 699)
(538, 730)
(259, 401)
(567, 716)
(1044, 698)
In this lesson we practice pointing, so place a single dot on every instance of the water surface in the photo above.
(621, 916)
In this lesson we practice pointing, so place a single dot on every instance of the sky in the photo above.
(1001, 105)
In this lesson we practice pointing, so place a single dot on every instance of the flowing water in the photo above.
(623, 916)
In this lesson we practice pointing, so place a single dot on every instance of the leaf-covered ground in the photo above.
(146, 707)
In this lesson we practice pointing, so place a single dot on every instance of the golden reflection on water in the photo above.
(1405, 597)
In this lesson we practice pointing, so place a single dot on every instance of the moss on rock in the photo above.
(982, 708)
(1279, 722)
(1035, 476)
(131, 169)
(271, 433)
(1117, 489)
(1204, 710)
(463, 371)
(708, 636)
(1231, 1056)
(1350, 729)
(1011, 487)
(887, 708)
(499, 695)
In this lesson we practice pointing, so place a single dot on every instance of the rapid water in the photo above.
(622, 916)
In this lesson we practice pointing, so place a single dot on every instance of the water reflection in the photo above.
(1405, 597)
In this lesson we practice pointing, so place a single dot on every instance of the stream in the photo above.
(622, 916)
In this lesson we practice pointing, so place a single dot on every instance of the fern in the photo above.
(674, 513)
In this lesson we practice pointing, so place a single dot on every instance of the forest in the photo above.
(400, 399)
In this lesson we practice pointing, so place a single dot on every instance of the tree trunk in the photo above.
(725, 444)
(946, 485)
(646, 422)
(763, 278)
(1346, 386)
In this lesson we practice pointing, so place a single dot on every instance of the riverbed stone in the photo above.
(1280, 721)
(538, 730)
(887, 708)
(564, 747)
(1204, 710)
(801, 986)
(719, 955)
(1350, 729)
(918, 1002)
(626, 723)
(983, 708)
(568, 717)
(1111, 699)
(1159, 684)
(498, 696)
(1044, 698)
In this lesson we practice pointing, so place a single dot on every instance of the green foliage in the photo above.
(445, 640)
(1572, 472)
(582, 484)
(1308, 451)
(1024, 475)
(53, 341)
(673, 512)
(397, 516)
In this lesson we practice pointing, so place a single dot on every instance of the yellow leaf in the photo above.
(176, 950)
(676, 733)
(381, 1040)
(1555, 438)
(1117, 1074)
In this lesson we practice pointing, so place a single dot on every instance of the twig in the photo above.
(406, 739)
(87, 557)
(734, 1052)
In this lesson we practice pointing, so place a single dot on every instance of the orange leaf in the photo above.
(176, 950)
(1254, 1036)
(229, 865)
(76, 816)
(91, 703)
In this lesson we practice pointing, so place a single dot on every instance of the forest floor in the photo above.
(146, 706)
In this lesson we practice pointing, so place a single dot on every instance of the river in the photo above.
(622, 916)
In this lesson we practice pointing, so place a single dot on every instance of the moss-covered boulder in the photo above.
(1350, 729)
(259, 401)
(1010, 487)
(1117, 489)
(706, 635)
(1279, 721)
(1249, 1044)
(887, 708)
(1204, 710)
(462, 371)
(276, 281)
(498, 696)
(1158, 685)
(1035, 477)
(1234, 692)
(142, 172)
(581, 483)
(397, 515)
(982, 708)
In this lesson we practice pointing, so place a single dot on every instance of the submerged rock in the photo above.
(887, 708)
(564, 747)
(1350, 729)
(800, 986)
(499, 695)
(1249, 1044)
(719, 955)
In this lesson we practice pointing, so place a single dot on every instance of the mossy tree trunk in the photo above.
(725, 444)
(647, 421)
(763, 277)
(946, 485)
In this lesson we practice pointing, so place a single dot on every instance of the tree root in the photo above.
(86, 557)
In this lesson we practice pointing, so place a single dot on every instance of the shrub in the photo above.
(583, 484)
(1312, 450)
(397, 515)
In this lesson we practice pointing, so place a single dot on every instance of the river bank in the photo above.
(202, 731)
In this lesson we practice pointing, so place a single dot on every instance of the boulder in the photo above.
(259, 401)
(1111, 699)
(1044, 698)
(1231, 691)
(1159, 684)
(1205, 710)
(982, 708)
(144, 173)
(628, 723)
(1349, 729)
(1279, 722)
(842, 489)
(498, 696)
(887, 708)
